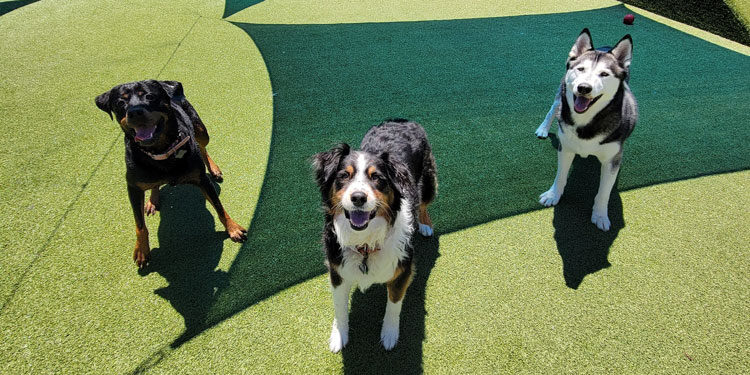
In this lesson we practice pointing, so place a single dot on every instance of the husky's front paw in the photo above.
(542, 132)
(339, 338)
(425, 230)
(389, 335)
(549, 197)
(601, 220)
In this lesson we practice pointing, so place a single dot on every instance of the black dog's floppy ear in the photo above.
(102, 101)
(400, 176)
(583, 43)
(326, 164)
(173, 89)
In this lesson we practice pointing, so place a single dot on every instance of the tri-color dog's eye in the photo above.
(376, 176)
(604, 74)
(342, 175)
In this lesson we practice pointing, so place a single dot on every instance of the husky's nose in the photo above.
(584, 88)
(359, 198)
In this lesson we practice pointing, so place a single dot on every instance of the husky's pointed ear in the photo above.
(623, 51)
(582, 44)
(326, 164)
(102, 101)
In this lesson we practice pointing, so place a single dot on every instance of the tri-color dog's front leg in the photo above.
(340, 328)
(142, 247)
(235, 231)
(396, 292)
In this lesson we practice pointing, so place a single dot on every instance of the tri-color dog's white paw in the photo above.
(549, 198)
(338, 339)
(389, 335)
(601, 220)
(542, 131)
(425, 230)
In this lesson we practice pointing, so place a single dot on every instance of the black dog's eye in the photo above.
(122, 103)
(150, 96)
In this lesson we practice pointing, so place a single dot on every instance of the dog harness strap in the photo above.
(169, 153)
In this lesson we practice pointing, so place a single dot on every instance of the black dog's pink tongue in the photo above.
(359, 218)
(582, 103)
(144, 134)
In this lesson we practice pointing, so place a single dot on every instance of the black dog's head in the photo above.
(142, 108)
(361, 186)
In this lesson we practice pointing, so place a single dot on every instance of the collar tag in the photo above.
(180, 154)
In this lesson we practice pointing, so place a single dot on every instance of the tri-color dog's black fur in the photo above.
(165, 143)
(388, 183)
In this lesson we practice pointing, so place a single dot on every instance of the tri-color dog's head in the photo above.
(141, 108)
(363, 188)
(595, 74)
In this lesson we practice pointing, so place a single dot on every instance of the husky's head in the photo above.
(594, 76)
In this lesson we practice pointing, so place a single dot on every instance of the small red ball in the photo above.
(628, 20)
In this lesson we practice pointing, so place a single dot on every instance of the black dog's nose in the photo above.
(136, 112)
(584, 88)
(359, 198)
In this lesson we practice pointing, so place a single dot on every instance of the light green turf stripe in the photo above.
(694, 31)
(496, 301)
(362, 11)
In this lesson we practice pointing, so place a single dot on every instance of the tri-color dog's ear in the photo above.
(173, 89)
(399, 176)
(623, 51)
(102, 101)
(582, 44)
(326, 165)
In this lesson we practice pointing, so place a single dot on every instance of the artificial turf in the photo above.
(74, 302)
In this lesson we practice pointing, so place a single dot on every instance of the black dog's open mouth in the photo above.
(147, 134)
(581, 104)
(359, 219)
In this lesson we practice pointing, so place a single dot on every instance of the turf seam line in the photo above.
(59, 223)
(178, 46)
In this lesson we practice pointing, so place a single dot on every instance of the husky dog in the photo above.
(596, 112)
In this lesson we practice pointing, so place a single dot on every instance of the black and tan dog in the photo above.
(165, 143)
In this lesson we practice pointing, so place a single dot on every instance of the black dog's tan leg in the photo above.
(396, 291)
(201, 135)
(235, 231)
(152, 205)
(142, 248)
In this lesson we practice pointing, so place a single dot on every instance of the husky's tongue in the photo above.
(359, 218)
(144, 134)
(581, 104)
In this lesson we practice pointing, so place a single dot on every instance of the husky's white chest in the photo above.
(572, 143)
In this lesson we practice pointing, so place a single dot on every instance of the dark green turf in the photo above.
(233, 6)
(7, 6)
(480, 87)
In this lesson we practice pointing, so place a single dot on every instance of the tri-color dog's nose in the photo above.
(359, 199)
(584, 88)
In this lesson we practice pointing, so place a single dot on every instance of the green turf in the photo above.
(74, 303)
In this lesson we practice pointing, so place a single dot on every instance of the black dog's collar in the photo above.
(176, 146)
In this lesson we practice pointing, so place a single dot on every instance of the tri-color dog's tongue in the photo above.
(582, 103)
(144, 134)
(359, 218)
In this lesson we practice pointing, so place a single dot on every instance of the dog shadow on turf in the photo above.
(364, 354)
(584, 248)
(187, 257)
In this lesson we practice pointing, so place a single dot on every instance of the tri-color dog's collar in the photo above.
(366, 249)
(171, 151)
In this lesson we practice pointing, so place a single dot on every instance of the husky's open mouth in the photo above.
(359, 219)
(581, 103)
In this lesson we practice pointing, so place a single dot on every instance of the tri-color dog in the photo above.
(374, 199)
(165, 143)
(596, 112)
